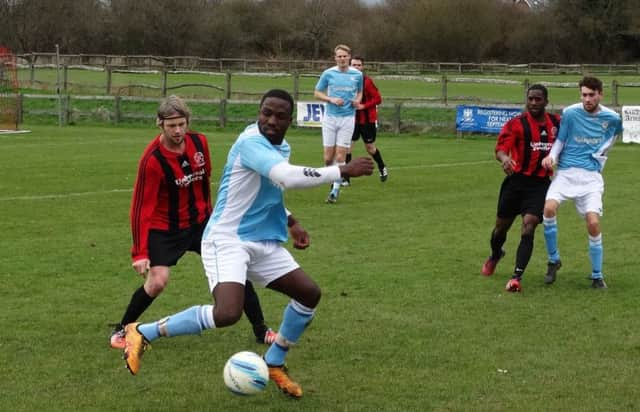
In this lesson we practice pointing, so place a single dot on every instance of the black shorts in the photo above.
(520, 195)
(367, 131)
(166, 248)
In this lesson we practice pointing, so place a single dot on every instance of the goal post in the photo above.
(9, 98)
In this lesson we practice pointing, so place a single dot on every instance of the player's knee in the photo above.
(549, 211)
(593, 228)
(529, 227)
(550, 208)
(156, 284)
(371, 148)
(226, 316)
(312, 296)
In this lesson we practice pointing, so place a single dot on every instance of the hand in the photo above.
(141, 266)
(508, 165)
(300, 236)
(337, 101)
(361, 166)
(548, 162)
(357, 105)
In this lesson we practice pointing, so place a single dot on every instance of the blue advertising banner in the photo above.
(310, 114)
(483, 119)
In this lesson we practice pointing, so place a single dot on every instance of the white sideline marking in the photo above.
(101, 192)
(438, 165)
(63, 195)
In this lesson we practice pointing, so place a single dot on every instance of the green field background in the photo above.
(406, 321)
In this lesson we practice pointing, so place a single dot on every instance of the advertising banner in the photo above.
(483, 119)
(631, 124)
(310, 114)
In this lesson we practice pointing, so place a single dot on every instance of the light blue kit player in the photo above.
(244, 240)
(341, 88)
(587, 132)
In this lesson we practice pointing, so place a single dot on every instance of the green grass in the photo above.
(406, 322)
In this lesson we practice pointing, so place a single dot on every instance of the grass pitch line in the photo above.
(439, 165)
(101, 192)
(62, 195)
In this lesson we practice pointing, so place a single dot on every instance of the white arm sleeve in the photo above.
(555, 150)
(290, 176)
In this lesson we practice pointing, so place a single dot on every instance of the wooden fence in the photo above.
(311, 66)
(227, 91)
(396, 109)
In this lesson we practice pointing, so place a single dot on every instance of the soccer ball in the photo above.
(246, 373)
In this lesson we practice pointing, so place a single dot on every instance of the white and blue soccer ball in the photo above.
(246, 373)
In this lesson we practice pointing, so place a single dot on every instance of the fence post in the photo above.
(614, 93)
(66, 109)
(163, 73)
(395, 123)
(227, 85)
(32, 73)
(526, 87)
(65, 77)
(296, 85)
(223, 112)
(108, 71)
(116, 110)
(19, 109)
(443, 94)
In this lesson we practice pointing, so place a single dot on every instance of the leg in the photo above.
(551, 240)
(498, 237)
(253, 310)
(344, 133)
(330, 160)
(525, 248)
(551, 229)
(596, 251)
(157, 279)
(305, 295)
(142, 298)
(329, 154)
(229, 299)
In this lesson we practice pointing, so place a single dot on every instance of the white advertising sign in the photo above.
(631, 124)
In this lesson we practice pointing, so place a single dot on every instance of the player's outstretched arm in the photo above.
(361, 166)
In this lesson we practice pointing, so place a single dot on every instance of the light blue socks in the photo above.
(551, 238)
(191, 321)
(295, 320)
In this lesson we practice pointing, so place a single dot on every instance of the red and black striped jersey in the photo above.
(172, 190)
(527, 142)
(370, 99)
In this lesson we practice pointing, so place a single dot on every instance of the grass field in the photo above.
(406, 322)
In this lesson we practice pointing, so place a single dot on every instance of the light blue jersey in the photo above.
(249, 206)
(587, 137)
(345, 85)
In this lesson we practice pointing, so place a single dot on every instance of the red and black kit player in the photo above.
(367, 121)
(522, 144)
(169, 210)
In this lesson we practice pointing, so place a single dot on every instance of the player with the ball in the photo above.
(244, 236)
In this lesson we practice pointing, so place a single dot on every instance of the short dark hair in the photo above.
(357, 58)
(540, 87)
(592, 83)
(280, 94)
